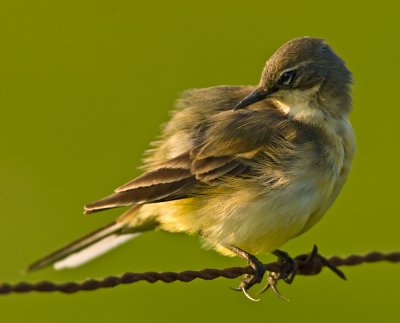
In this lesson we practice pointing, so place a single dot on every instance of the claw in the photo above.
(272, 282)
(264, 289)
(243, 289)
(248, 296)
(277, 293)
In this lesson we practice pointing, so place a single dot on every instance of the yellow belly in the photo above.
(250, 218)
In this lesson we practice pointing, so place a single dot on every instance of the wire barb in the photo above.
(307, 264)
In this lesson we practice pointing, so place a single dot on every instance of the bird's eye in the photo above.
(287, 78)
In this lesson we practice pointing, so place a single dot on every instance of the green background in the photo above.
(84, 87)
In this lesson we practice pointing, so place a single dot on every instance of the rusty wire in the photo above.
(307, 264)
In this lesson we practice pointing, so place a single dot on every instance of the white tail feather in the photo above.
(95, 250)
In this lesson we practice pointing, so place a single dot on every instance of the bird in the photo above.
(245, 168)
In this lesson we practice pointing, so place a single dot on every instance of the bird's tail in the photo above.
(93, 244)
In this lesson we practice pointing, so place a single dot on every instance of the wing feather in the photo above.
(218, 172)
(156, 177)
(147, 194)
(205, 165)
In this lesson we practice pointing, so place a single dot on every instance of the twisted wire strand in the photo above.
(307, 264)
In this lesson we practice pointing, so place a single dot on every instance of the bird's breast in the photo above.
(294, 194)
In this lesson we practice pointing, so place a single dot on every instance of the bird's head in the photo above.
(301, 70)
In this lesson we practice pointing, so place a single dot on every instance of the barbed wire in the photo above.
(307, 264)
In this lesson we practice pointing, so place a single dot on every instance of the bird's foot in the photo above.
(289, 267)
(287, 273)
(249, 280)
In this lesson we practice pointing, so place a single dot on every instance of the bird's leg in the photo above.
(289, 267)
(258, 267)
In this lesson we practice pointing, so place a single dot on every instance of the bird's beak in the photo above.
(253, 97)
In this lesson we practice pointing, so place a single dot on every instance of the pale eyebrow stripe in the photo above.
(295, 67)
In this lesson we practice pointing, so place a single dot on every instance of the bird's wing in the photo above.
(170, 183)
(224, 147)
